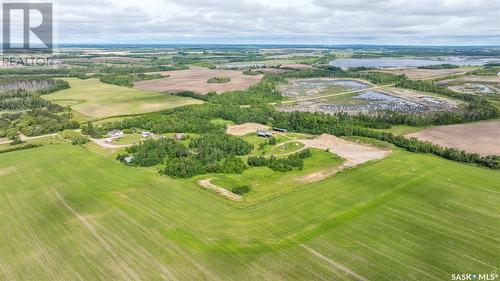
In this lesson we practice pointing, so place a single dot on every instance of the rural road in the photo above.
(26, 138)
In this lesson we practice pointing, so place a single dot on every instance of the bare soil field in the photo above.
(195, 80)
(481, 137)
(417, 73)
(464, 79)
(106, 59)
(296, 66)
(271, 70)
(354, 154)
(245, 129)
(105, 52)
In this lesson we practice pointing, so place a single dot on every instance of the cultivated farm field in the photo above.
(480, 137)
(408, 216)
(195, 80)
(418, 74)
(95, 99)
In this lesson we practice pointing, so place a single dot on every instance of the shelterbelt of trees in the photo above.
(127, 80)
(210, 153)
(27, 112)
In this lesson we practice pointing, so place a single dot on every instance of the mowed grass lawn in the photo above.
(69, 214)
(95, 99)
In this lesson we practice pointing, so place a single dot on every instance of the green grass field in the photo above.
(94, 99)
(69, 214)
(266, 183)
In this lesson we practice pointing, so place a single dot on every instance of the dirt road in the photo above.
(219, 190)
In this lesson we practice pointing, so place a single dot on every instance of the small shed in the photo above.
(180, 136)
(115, 133)
(146, 134)
(280, 130)
(264, 134)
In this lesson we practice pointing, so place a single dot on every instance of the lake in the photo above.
(410, 62)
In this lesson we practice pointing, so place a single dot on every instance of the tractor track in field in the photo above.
(333, 263)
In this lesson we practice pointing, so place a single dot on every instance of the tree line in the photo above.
(127, 80)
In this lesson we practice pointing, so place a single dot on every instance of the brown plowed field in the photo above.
(195, 80)
(481, 137)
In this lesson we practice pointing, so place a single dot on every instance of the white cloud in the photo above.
(280, 21)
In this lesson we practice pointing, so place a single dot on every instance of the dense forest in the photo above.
(40, 85)
(23, 93)
(35, 122)
(26, 112)
(210, 153)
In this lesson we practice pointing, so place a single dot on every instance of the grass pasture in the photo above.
(266, 183)
(95, 99)
(69, 214)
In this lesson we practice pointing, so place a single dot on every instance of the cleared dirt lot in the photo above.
(481, 137)
(354, 154)
(245, 129)
(195, 80)
(417, 73)
(296, 66)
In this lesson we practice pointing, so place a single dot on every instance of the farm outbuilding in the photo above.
(180, 136)
(115, 133)
(280, 130)
(264, 134)
(146, 134)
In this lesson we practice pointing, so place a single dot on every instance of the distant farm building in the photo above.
(280, 130)
(264, 134)
(128, 159)
(146, 134)
(179, 136)
(115, 133)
